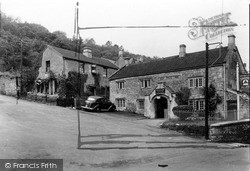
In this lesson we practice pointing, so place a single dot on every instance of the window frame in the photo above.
(196, 82)
(120, 85)
(47, 66)
(197, 104)
(105, 72)
(121, 102)
(93, 68)
(146, 83)
(141, 104)
(82, 67)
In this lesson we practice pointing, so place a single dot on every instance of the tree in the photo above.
(69, 87)
(182, 96)
(213, 99)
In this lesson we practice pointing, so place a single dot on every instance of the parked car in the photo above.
(97, 104)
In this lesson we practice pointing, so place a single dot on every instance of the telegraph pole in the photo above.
(206, 95)
(79, 86)
(206, 91)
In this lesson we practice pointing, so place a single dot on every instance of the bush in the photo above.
(187, 128)
(183, 111)
(131, 107)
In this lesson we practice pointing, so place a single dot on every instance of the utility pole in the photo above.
(206, 91)
(79, 86)
(206, 95)
(21, 68)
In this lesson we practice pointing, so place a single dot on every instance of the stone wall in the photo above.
(175, 80)
(244, 108)
(8, 85)
(233, 131)
(61, 66)
(56, 63)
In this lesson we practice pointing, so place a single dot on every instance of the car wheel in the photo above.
(98, 109)
(112, 109)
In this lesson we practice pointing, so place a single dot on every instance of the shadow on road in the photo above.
(103, 142)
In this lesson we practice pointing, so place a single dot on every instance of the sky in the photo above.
(161, 42)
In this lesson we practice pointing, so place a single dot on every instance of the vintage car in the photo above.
(98, 104)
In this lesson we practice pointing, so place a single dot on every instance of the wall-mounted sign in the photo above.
(160, 91)
(245, 82)
(210, 32)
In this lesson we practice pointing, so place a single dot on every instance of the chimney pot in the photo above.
(182, 52)
(87, 51)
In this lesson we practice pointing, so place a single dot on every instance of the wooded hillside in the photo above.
(29, 40)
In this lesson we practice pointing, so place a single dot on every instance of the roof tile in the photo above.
(173, 64)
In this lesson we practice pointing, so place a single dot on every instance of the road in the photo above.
(109, 141)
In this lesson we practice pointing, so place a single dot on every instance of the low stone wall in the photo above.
(43, 98)
(231, 131)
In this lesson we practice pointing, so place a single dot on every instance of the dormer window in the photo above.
(47, 66)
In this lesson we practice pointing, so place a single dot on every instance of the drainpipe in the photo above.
(238, 88)
(224, 92)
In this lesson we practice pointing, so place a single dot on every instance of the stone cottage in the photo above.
(59, 62)
(150, 88)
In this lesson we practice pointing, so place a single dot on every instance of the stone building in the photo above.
(150, 88)
(58, 62)
(123, 61)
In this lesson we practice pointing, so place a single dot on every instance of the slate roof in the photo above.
(94, 60)
(194, 60)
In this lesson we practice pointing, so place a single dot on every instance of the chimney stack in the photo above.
(231, 41)
(182, 52)
(120, 53)
(87, 52)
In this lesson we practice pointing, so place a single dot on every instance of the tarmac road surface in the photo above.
(109, 141)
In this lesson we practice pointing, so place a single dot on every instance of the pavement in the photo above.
(109, 141)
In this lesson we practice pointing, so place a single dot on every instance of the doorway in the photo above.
(161, 106)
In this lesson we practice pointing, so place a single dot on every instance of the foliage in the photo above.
(70, 87)
(182, 96)
(97, 79)
(213, 99)
(25, 41)
(131, 107)
(183, 111)
(193, 128)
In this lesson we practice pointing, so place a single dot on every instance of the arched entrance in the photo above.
(161, 106)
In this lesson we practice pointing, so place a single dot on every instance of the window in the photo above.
(200, 82)
(120, 85)
(141, 104)
(197, 104)
(47, 66)
(82, 69)
(120, 102)
(196, 82)
(191, 83)
(201, 105)
(191, 103)
(93, 68)
(145, 83)
(105, 72)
